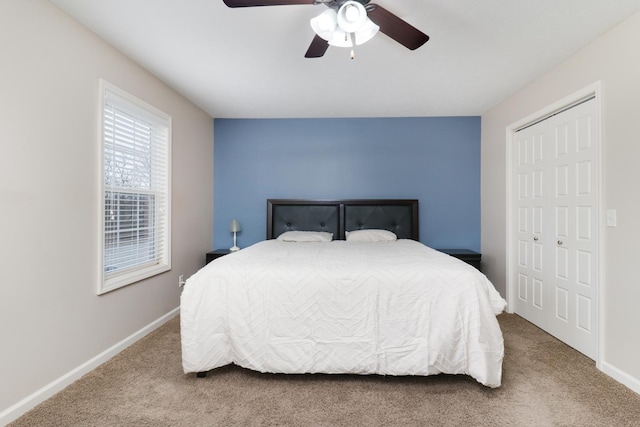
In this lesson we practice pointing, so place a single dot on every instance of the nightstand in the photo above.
(216, 254)
(466, 255)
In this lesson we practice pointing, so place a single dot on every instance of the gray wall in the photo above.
(51, 320)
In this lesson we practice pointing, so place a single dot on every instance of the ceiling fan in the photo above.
(347, 23)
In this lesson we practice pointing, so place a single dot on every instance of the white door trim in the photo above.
(589, 91)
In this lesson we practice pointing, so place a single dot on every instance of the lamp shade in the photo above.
(235, 226)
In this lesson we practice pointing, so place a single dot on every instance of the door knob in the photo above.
(535, 239)
(559, 242)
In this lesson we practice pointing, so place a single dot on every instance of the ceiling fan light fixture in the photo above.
(346, 23)
(337, 27)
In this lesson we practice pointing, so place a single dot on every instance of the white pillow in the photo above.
(371, 236)
(305, 236)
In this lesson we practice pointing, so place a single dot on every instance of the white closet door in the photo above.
(531, 223)
(557, 226)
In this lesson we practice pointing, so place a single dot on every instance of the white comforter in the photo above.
(392, 308)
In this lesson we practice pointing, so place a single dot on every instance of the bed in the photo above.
(342, 286)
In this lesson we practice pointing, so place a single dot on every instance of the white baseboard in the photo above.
(621, 376)
(13, 412)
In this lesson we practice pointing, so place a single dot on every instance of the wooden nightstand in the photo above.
(466, 255)
(216, 254)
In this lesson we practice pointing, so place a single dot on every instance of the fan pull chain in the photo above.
(353, 43)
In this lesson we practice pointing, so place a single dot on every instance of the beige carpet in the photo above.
(545, 383)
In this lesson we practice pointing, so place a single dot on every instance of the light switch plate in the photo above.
(612, 220)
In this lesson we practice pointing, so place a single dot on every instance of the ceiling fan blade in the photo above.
(317, 48)
(252, 3)
(396, 28)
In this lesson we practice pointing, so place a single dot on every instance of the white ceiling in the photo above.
(249, 62)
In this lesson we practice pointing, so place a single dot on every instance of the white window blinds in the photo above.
(136, 141)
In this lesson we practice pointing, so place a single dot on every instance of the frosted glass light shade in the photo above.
(366, 32)
(340, 39)
(351, 16)
(325, 24)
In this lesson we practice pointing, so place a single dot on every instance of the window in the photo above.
(135, 203)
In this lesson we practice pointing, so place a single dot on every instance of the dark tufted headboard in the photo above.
(338, 216)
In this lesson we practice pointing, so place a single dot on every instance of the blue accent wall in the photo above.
(433, 159)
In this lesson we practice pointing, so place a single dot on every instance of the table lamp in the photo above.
(234, 228)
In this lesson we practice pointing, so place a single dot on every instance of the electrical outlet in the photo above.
(181, 280)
